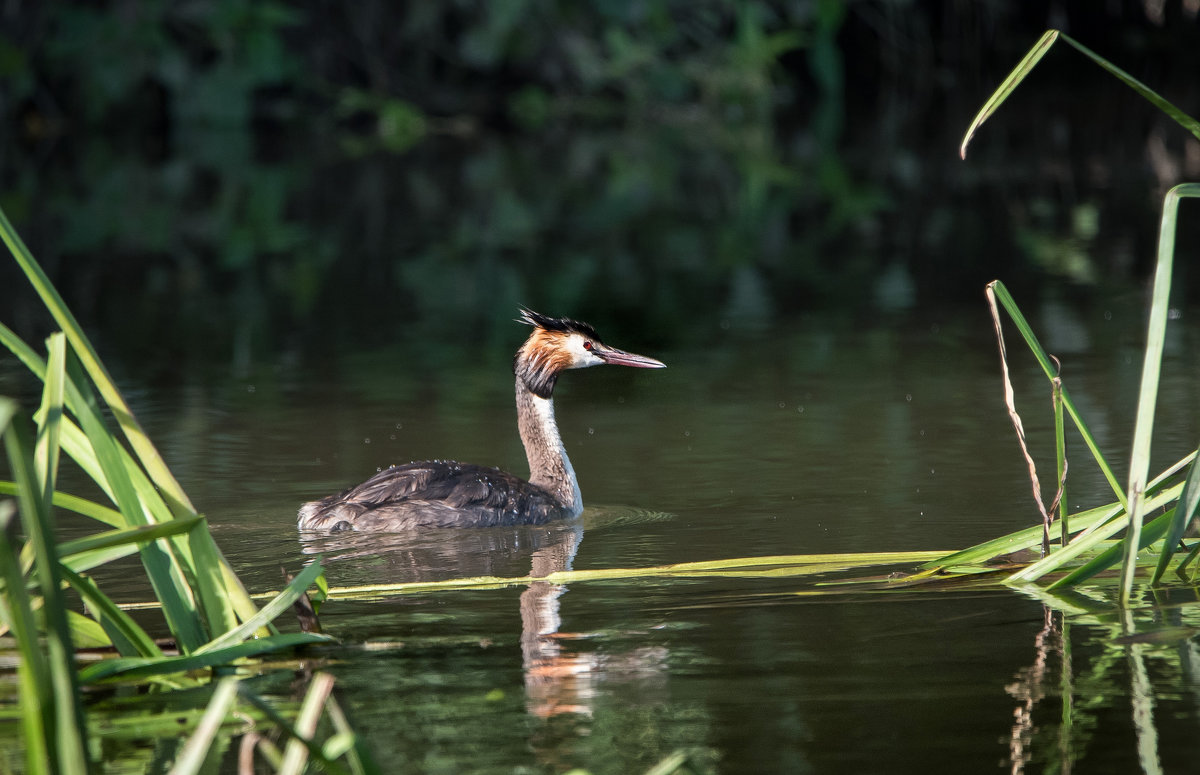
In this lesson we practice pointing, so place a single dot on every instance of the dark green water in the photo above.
(795, 438)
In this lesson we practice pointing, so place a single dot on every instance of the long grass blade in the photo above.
(66, 731)
(282, 602)
(46, 449)
(166, 577)
(141, 443)
(296, 753)
(1026, 538)
(1051, 371)
(123, 632)
(1143, 430)
(1110, 556)
(1035, 54)
(1008, 86)
(773, 566)
(196, 749)
(83, 506)
(1180, 117)
(1089, 542)
(33, 675)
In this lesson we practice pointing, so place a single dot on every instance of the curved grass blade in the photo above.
(282, 602)
(1035, 54)
(1006, 88)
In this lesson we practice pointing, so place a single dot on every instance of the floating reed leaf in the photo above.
(774, 566)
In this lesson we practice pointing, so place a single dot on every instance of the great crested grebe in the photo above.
(445, 493)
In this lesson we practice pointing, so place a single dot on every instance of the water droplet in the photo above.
(686, 434)
(367, 440)
(908, 397)
(392, 437)
(782, 405)
(399, 426)
(922, 431)
(800, 410)
(249, 388)
(1108, 314)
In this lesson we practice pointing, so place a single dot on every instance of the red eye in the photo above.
(587, 345)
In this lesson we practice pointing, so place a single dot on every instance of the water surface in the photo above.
(798, 437)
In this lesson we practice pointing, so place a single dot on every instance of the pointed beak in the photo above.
(615, 357)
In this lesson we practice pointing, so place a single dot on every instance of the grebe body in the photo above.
(442, 493)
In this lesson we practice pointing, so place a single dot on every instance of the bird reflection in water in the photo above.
(558, 681)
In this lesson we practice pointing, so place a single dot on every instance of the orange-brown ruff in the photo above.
(444, 493)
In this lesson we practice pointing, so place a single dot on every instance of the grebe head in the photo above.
(558, 344)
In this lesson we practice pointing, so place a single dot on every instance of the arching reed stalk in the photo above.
(1137, 495)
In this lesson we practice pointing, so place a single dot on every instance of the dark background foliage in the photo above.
(229, 178)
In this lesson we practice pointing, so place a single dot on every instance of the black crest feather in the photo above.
(566, 325)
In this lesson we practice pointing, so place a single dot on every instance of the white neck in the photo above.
(549, 467)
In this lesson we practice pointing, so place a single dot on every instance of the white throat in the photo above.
(549, 466)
